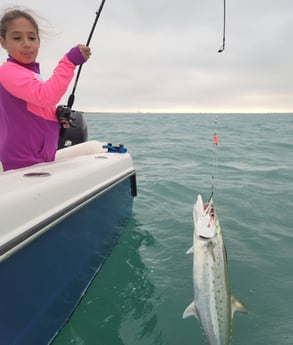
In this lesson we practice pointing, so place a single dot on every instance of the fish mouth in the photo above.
(204, 219)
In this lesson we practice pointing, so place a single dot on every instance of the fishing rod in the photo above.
(71, 97)
(224, 30)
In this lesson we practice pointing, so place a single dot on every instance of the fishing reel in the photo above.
(64, 117)
(73, 127)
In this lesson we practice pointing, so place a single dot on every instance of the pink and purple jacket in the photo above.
(29, 128)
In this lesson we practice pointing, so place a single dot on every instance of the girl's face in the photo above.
(21, 41)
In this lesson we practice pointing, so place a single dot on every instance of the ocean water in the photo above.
(142, 290)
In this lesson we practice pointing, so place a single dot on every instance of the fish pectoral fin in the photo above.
(190, 311)
(236, 305)
(190, 251)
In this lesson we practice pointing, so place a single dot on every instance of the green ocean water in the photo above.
(142, 290)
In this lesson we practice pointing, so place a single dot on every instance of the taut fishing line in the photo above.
(215, 156)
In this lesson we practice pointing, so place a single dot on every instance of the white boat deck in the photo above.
(31, 196)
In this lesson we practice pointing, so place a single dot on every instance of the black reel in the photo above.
(64, 115)
(74, 134)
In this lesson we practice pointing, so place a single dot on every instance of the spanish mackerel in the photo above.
(213, 304)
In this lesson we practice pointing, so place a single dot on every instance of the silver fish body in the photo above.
(213, 304)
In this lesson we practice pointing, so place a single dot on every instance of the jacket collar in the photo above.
(33, 66)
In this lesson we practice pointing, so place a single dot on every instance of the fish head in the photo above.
(204, 219)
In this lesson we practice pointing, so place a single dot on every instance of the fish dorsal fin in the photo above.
(236, 305)
(190, 311)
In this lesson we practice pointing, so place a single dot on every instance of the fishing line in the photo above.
(224, 30)
(215, 157)
(71, 97)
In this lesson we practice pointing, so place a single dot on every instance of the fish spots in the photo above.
(211, 247)
(219, 293)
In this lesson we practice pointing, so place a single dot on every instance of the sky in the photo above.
(162, 55)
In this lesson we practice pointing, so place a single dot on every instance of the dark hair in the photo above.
(12, 14)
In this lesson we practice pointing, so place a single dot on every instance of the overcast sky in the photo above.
(162, 55)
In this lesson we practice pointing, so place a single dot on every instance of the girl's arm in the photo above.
(26, 85)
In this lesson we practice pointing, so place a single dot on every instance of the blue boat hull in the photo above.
(43, 281)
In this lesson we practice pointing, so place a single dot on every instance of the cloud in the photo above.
(162, 55)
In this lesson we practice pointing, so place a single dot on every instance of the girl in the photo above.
(29, 128)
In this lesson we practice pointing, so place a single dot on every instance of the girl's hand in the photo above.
(85, 51)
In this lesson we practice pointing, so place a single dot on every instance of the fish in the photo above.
(213, 305)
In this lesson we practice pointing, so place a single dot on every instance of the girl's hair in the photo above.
(10, 15)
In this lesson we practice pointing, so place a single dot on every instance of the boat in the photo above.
(59, 222)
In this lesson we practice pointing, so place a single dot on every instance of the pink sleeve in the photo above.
(24, 84)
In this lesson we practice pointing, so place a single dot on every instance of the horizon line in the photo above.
(189, 112)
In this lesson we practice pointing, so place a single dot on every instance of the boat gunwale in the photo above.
(14, 244)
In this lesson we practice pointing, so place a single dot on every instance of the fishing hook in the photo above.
(224, 30)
